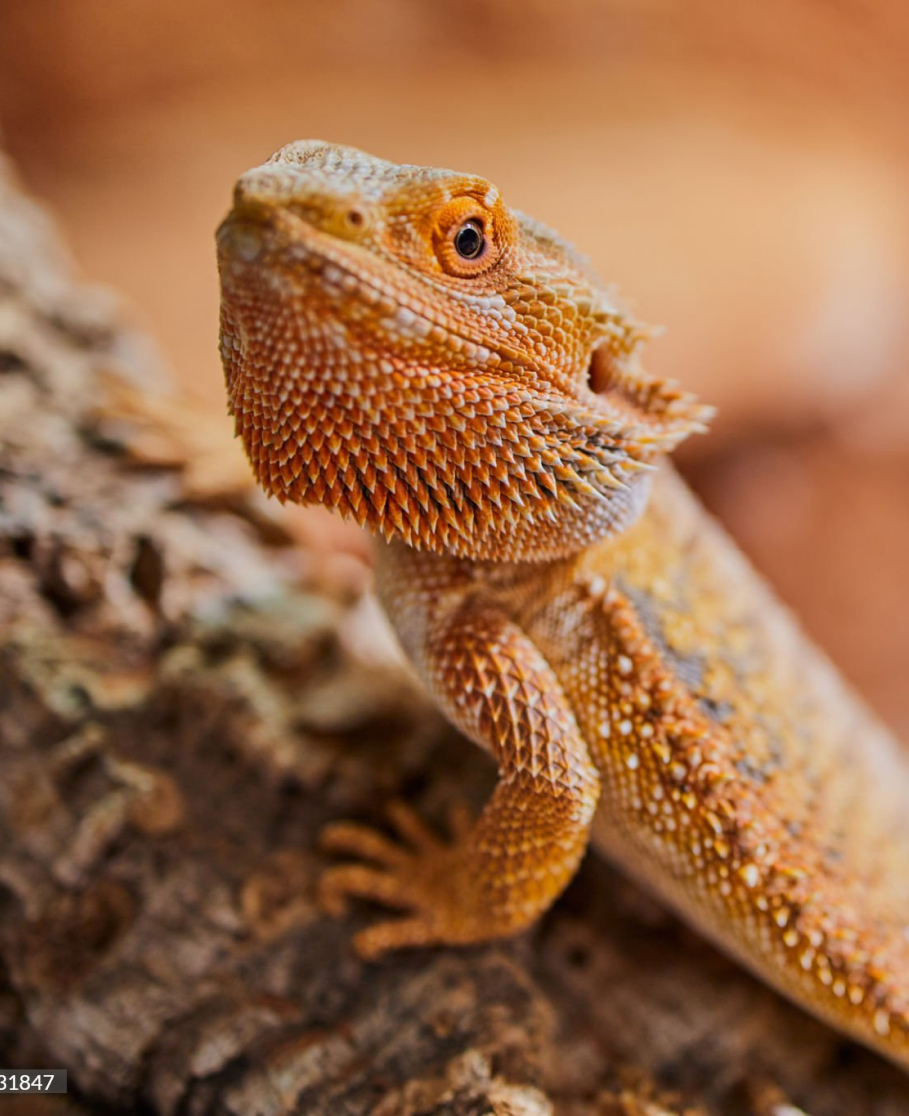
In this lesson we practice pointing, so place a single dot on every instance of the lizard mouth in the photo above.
(339, 271)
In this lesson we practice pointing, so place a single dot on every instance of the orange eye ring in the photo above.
(465, 240)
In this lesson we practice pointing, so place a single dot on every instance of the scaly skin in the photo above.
(572, 611)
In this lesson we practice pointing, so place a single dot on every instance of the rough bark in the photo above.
(183, 703)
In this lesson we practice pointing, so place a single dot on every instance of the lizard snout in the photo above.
(271, 189)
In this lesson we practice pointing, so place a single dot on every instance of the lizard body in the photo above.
(401, 346)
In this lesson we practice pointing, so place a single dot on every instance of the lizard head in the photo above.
(401, 345)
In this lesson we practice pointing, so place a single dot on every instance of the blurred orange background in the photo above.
(741, 172)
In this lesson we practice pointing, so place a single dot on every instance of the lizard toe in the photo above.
(361, 842)
(344, 881)
(411, 828)
(399, 933)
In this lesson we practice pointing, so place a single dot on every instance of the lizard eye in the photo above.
(469, 240)
(465, 242)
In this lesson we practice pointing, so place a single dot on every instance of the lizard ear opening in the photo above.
(601, 369)
(656, 414)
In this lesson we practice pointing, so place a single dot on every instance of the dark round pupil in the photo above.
(469, 240)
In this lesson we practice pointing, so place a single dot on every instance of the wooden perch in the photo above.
(183, 704)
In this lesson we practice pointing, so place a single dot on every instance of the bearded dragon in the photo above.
(403, 347)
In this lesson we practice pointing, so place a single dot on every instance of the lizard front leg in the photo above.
(498, 876)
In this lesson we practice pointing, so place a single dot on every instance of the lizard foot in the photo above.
(418, 873)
